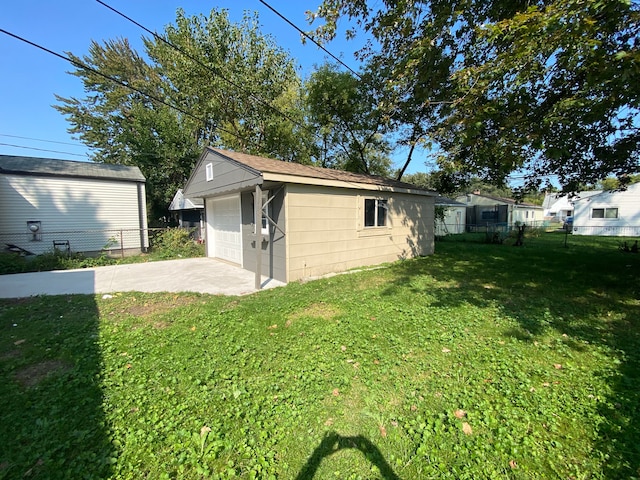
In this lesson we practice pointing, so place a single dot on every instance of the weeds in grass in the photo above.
(482, 361)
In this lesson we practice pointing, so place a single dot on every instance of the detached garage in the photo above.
(310, 221)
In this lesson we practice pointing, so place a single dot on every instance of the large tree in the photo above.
(551, 87)
(350, 128)
(205, 81)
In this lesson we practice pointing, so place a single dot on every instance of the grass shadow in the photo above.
(52, 424)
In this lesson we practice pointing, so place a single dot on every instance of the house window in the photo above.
(209, 171)
(489, 215)
(265, 222)
(375, 212)
(604, 213)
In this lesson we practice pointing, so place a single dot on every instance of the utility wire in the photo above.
(42, 149)
(306, 35)
(115, 80)
(42, 140)
(206, 67)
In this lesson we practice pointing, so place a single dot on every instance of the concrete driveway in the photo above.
(203, 275)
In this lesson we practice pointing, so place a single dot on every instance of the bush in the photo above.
(12, 263)
(176, 243)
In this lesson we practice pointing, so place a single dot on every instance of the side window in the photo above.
(264, 224)
(604, 213)
(375, 212)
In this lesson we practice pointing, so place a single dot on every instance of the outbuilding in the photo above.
(72, 206)
(307, 221)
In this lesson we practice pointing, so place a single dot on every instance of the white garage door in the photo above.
(223, 216)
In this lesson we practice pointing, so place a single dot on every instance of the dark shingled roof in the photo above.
(68, 168)
(268, 165)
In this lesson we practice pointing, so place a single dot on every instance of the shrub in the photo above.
(176, 243)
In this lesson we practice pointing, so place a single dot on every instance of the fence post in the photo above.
(121, 244)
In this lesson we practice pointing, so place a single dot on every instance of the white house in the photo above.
(73, 206)
(608, 213)
(558, 206)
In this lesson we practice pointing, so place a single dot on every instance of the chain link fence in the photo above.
(111, 242)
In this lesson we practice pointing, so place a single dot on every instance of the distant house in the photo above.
(73, 206)
(454, 216)
(608, 213)
(306, 221)
(189, 213)
(489, 210)
(558, 206)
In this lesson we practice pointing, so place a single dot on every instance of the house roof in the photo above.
(180, 202)
(10, 164)
(447, 202)
(508, 201)
(296, 170)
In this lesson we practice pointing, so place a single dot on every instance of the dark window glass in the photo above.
(369, 212)
(382, 213)
(597, 213)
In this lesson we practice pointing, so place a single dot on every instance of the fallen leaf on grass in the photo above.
(513, 464)
(383, 431)
(335, 392)
(19, 342)
(193, 329)
(414, 408)
(445, 350)
(557, 366)
(271, 327)
(343, 348)
(460, 413)
(466, 428)
(329, 422)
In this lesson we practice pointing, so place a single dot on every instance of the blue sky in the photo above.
(31, 77)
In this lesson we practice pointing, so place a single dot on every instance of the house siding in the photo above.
(326, 233)
(628, 222)
(273, 245)
(228, 176)
(70, 205)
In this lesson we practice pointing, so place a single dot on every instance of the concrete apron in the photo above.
(202, 275)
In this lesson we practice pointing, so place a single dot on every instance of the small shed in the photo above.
(608, 213)
(454, 216)
(74, 206)
(306, 221)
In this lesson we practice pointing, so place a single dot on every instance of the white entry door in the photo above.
(224, 229)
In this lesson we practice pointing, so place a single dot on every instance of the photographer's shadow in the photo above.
(333, 442)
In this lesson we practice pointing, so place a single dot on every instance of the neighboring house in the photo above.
(610, 213)
(454, 216)
(485, 210)
(189, 213)
(558, 206)
(310, 221)
(73, 206)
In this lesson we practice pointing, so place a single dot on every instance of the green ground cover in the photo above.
(481, 361)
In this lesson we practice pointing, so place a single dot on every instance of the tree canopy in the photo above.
(548, 87)
(206, 81)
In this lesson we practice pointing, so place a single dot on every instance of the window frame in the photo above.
(606, 213)
(208, 169)
(380, 205)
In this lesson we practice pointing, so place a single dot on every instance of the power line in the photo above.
(206, 67)
(42, 149)
(42, 140)
(306, 35)
(115, 80)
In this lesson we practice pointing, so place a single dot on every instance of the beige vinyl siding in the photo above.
(69, 205)
(326, 233)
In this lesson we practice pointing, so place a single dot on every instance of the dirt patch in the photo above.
(11, 355)
(320, 310)
(34, 374)
(144, 310)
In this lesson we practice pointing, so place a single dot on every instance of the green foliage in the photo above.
(176, 243)
(342, 109)
(481, 361)
(230, 82)
(550, 87)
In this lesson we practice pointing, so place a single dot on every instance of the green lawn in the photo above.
(481, 361)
